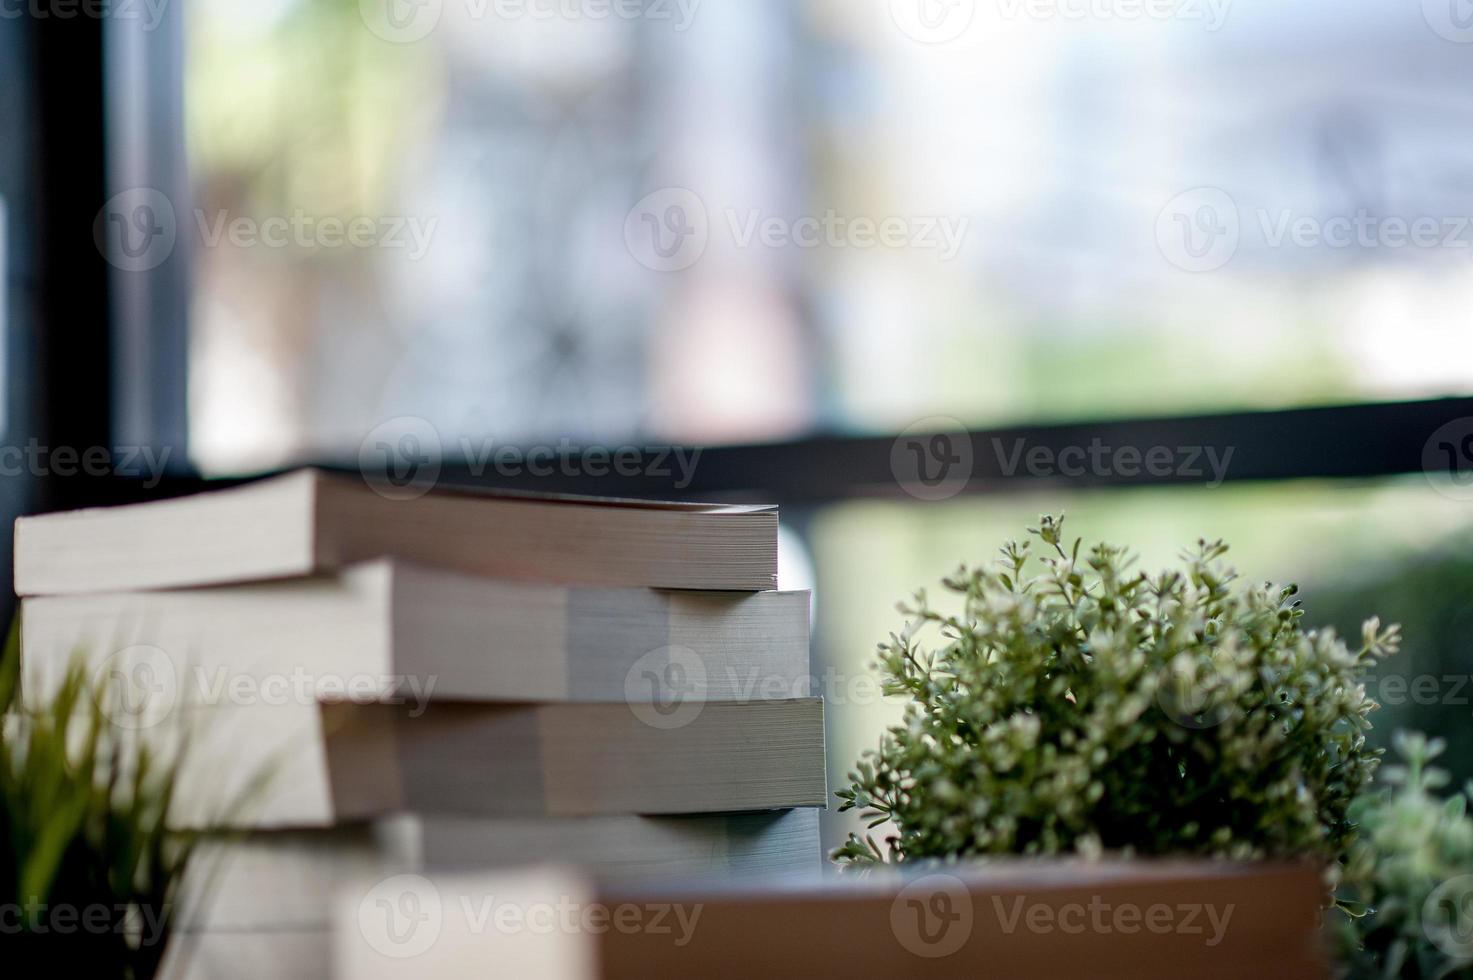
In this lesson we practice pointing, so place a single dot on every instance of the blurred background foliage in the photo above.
(1429, 685)
(1061, 141)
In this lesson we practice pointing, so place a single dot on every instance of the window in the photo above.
(744, 222)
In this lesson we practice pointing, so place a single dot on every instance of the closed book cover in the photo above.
(285, 881)
(310, 521)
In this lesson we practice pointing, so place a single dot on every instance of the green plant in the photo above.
(88, 868)
(1092, 707)
(1408, 884)
(1426, 590)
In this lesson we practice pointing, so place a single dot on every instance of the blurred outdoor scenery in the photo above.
(1245, 204)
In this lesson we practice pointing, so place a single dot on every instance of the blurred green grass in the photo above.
(89, 869)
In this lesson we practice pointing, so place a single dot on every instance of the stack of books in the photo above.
(372, 687)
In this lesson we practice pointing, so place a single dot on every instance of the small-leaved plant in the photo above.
(1075, 705)
(1407, 894)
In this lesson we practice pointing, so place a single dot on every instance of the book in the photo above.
(359, 762)
(248, 956)
(1138, 920)
(391, 628)
(574, 759)
(309, 522)
(286, 881)
(263, 906)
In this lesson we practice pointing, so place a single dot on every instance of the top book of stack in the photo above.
(311, 522)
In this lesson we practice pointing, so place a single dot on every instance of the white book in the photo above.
(264, 906)
(286, 881)
(574, 759)
(248, 956)
(309, 522)
(387, 626)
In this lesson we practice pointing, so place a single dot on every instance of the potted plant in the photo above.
(1089, 707)
(1074, 705)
